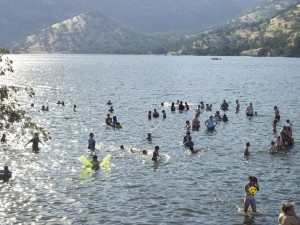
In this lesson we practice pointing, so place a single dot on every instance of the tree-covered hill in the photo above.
(278, 36)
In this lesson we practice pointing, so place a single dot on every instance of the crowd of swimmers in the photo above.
(287, 215)
(285, 139)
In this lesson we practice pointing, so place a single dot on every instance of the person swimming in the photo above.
(109, 102)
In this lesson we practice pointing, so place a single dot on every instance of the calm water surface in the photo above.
(206, 188)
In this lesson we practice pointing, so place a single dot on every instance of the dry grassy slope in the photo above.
(284, 23)
(220, 37)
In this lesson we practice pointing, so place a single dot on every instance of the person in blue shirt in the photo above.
(209, 123)
(91, 143)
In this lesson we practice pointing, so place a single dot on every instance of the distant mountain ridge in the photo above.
(94, 32)
(20, 18)
(87, 33)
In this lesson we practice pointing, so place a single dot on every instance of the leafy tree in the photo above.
(13, 120)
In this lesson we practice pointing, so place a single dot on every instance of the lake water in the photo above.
(51, 187)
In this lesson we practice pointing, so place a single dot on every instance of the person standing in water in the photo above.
(276, 113)
(155, 155)
(92, 143)
(237, 109)
(249, 198)
(164, 114)
(149, 115)
(35, 142)
(246, 151)
(173, 107)
(209, 123)
(249, 110)
(288, 215)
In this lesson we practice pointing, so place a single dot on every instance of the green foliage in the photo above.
(12, 118)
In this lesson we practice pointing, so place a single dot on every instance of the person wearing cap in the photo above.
(35, 142)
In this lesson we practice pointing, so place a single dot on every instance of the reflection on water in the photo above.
(52, 187)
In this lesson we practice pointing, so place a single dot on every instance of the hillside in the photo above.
(20, 18)
(87, 33)
(278, 36)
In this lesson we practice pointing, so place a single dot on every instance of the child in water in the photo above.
(249, 198)
(155, 155)
(149, 137)
(95, 163)
(246, 151)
